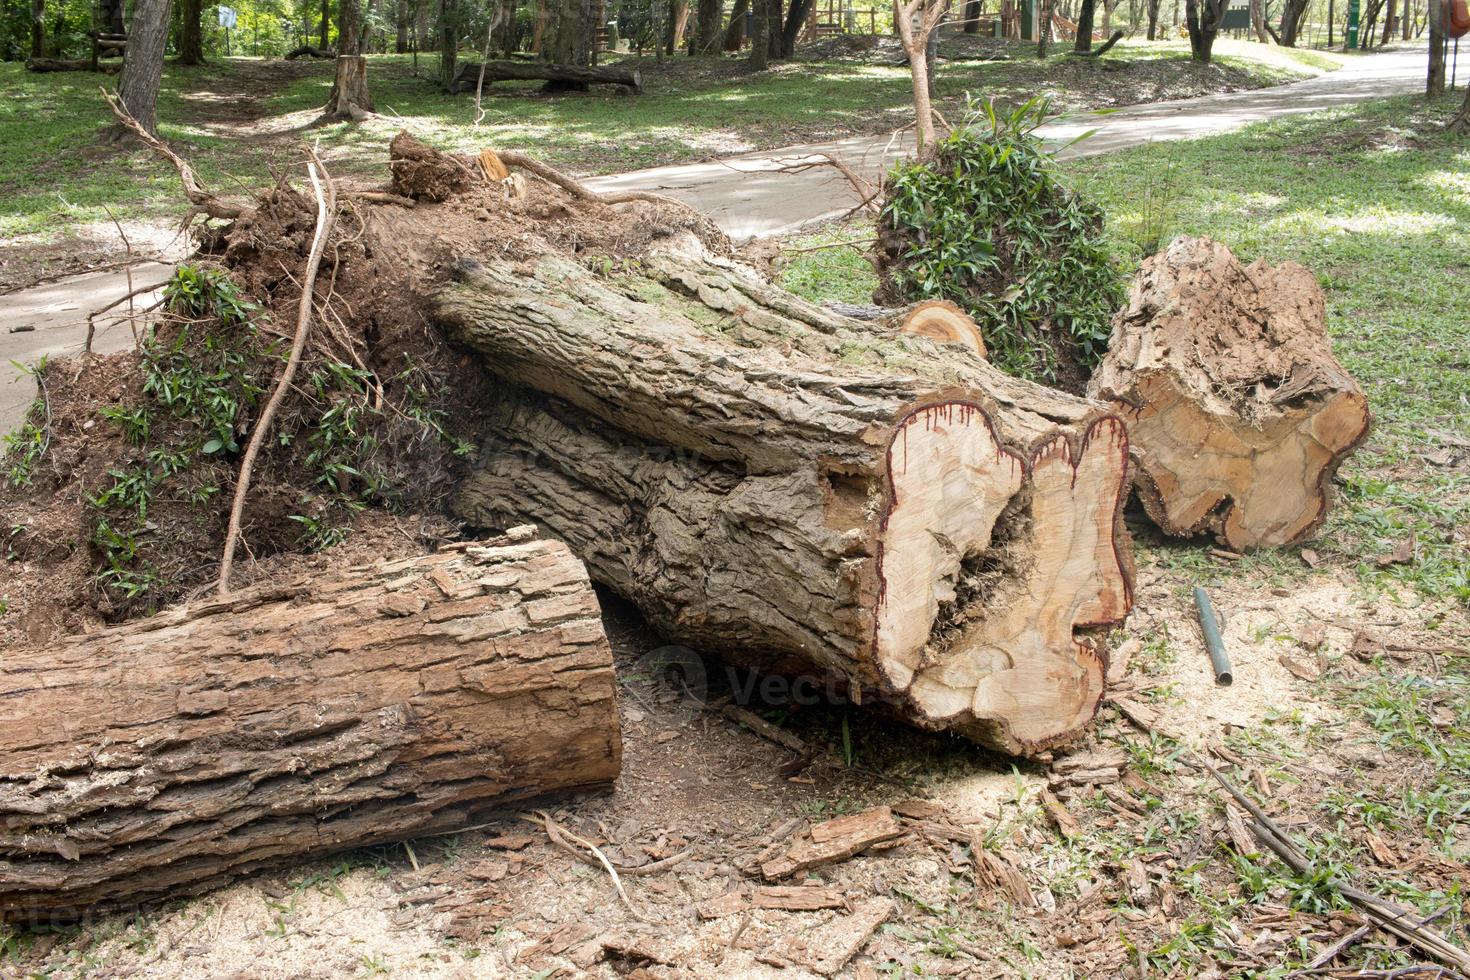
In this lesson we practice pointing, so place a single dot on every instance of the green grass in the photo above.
(54, 178)
(1374, 199)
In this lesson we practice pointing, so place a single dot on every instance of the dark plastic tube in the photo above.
(1213, 642)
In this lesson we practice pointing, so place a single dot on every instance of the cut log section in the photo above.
(1238, 413)
(69, 64)
(558, 78)
(165, 756)
(944, 323)
(799, 492)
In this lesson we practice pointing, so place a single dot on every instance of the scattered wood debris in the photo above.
(826, 949)
(834, 840)
(997, 872)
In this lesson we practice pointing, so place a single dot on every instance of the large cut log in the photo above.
(797, 491)
(68, 64)
(165, 756)
(1238, 413)
(558, 78)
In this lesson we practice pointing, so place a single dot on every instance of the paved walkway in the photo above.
(747, 195)
(751, 198)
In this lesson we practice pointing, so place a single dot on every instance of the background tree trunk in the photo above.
(708, 38)
(973, 10)
(1203, 20)
(448, 42)
(760, 39)
(796, 15)
(142, 72)
(297, 719)
(1153, 20)
(38, 28)
(325, 40)
(1083, 42)
(1434, 83)
(1043, 34)
(735, 30)
(349, 96)
(191, 43)
(1291, 21)
(401, 21)
(570, 35)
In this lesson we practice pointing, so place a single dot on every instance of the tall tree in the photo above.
(448, 42)
(326, 24)
(569, 36)
(973, 11)
(735, 30)
(1202, 18)
(191, 33)
(1291, 21)
(1043, 33)
(38, 28)
(1434, 83)
(142, 71)
(708, 38)
(1085, 17)
(400, 21)
(760, 51)
(796, 15)
(917, 22)
(1461, 122)
(349, 96)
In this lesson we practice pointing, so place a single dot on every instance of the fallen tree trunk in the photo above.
(797, 491)
(309, 51)
(374, 705)
(1238, 413)
(69, 64)
(558, 78)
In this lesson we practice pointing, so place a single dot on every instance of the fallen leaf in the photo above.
(1301, 669)
(1311, 557)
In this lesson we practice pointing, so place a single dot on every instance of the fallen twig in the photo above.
(560, 836)
(193, 190)
(131, 293)
(1357, 935)
(1388, 916)
(515, 158)
(326, 216)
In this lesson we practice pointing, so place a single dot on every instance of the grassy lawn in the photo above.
(236, 118)
(1376, 201)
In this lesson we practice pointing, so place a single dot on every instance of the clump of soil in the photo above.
(119, 506)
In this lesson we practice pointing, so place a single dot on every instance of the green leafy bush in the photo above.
(987, 223)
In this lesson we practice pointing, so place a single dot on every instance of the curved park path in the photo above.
(747, 195)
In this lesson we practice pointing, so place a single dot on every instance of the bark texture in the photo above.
(191, 37)
(1238, 412)
(142, 72)
(298, 719)
(797, 491)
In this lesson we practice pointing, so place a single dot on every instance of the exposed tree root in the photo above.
(193, 190)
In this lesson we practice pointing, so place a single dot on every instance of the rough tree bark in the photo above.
(760, 52)
(142, 72)
(1153, 20)
(1461, 122)
(569, 38)
(1085, 16)
(349, 97)
(400, 22)
(735, 30)
(1203, 18)
(796, 14)
(296, 719)
(324, 39)
(708, 37)
(448, 41)
(191, 39)
(801, 492)
(38, 28)
(1291, 20)
(1238, 413)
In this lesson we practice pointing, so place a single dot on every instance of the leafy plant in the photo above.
(989, 224)
(201, 293)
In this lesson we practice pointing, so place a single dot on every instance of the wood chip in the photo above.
(798, 898)
(1311, 558)
(1102, 759)
(826, 949)
(510, 842)
(1402, 553)
(1241, 839)
(1059, 815)
(834, 840)
(1139, 889)
(918, 809)
(1301, 669)
(1382, 853)
(730, 903)
(1119, 659)
(1140, 714)
(997, 872)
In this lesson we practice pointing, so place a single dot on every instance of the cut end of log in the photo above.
(1238, 412)
(945, 323)
(979, 631)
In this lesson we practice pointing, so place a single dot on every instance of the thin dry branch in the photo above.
(125, 298)
(515, 158)
(867, 190)
(1388, 916)
(193, 190)
(326, 216)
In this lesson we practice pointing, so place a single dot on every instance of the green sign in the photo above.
(1352, 32)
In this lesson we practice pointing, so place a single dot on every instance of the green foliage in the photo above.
(989, 224)
(23, 450)
(198, 292)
